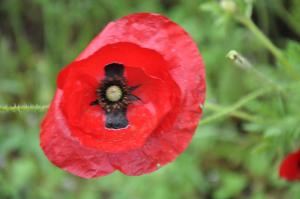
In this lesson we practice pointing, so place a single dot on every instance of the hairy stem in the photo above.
(239, 114)
(231, 109)
(248, 23)
(243, 63)
(23, 108)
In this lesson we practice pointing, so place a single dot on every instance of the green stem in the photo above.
(229, 110)
(239, 114)
(286, 16)
(248, 23)
(244, 64)
(258, 33)
(23, 108)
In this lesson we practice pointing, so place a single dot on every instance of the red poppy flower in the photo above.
(290, 166)
(129, 102)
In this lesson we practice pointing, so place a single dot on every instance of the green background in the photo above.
(242, 137)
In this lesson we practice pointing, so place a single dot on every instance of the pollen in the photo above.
(113, 93)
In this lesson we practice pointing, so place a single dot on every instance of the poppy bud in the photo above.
(290, 167)
(228, 5)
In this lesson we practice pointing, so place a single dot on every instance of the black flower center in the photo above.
(114, 96)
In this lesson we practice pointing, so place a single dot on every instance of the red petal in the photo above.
(67, 152)
(290, 167)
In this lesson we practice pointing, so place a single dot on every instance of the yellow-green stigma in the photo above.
(113, 93)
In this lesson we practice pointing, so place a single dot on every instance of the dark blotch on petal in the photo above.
(114, 69)
(116, 119)
(93, 103)
(132, 98)
(132, 88)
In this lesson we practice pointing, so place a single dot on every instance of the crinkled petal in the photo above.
(65, 151)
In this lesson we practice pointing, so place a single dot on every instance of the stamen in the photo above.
(114, 95)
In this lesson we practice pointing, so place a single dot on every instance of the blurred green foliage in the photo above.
(233, 155)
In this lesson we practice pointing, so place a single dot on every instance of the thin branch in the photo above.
(243, 63)
(229, 110)
(239, 114)
(277, 53)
